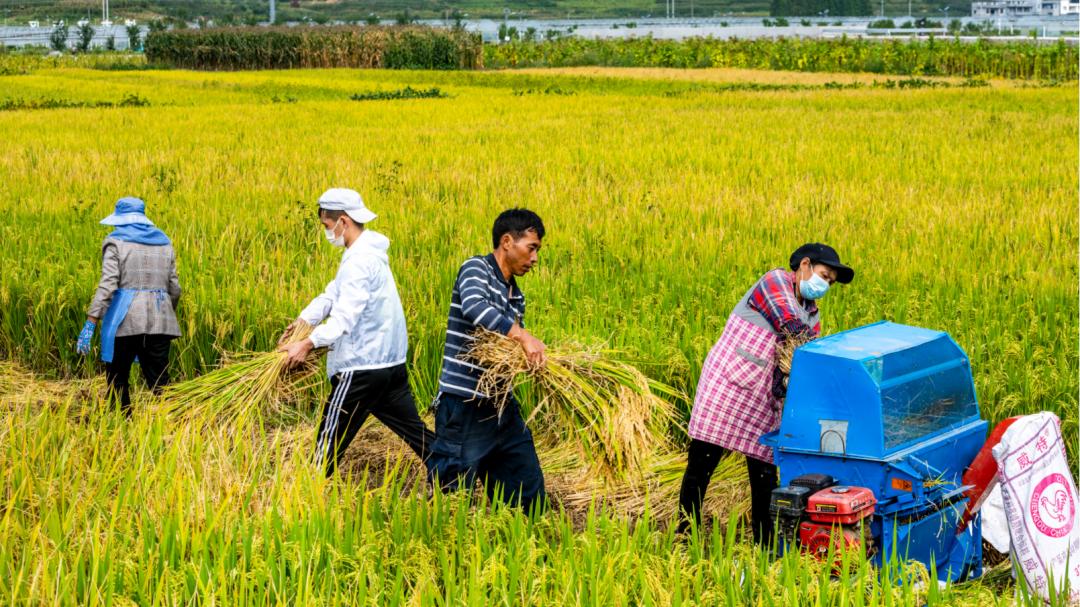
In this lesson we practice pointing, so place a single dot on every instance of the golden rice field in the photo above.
(665, 193)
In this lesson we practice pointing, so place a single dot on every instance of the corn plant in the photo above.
(1023, 60)
(406, 47)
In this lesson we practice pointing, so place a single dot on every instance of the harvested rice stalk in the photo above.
(785, 351)
(21, 387)
(246, 388)
(612, 411)
(655, 491)
(570, 483)
(383, 458)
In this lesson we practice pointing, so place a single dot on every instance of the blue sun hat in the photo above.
(128, 210)
(130, 223)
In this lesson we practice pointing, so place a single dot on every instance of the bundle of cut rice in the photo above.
(247, 388)
(785, 351)
(613, 413)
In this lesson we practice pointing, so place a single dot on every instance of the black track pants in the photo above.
(384, 393)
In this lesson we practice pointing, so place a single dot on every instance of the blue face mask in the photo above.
(815, 288)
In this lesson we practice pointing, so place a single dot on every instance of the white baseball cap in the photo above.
(344, 199)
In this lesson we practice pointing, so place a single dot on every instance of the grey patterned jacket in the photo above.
(128, 265)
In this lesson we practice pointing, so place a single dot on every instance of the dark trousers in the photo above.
(153, 353)
(473, 442)
(701, 462)
(384, 393)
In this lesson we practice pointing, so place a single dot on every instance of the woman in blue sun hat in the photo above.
(135, 301)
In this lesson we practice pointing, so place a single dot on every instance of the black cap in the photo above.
(822, 253)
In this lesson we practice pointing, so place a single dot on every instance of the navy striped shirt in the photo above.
(481, 298)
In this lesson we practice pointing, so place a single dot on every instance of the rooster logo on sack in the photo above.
(1053, 509)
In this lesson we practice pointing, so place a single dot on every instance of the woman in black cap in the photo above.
(740, 391)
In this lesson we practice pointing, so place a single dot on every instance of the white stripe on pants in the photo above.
(330, 421)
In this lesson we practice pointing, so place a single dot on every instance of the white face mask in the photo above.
(337, 241)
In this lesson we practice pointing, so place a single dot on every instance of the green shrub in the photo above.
(406, 93)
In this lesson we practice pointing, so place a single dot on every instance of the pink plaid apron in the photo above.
(734, 405)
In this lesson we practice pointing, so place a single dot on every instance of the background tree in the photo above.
(86, 36)
(59, 36)
(134, 38)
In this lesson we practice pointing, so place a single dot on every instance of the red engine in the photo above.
(816, 539)
(836, 516)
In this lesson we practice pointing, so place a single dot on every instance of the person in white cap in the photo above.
(135, 301)
(365, 331)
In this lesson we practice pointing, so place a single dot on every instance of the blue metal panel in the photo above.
(831, 407)
(876, 389)
(873, 341)
(931, 540)
(918, 474)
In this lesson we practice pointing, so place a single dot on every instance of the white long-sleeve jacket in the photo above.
(365, 324)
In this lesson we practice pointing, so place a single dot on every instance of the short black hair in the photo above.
(332, 214)
(516, 222)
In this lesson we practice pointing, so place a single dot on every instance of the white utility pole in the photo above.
(104, 10)
(273, 11)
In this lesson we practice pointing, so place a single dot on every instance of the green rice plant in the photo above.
(16, 103)
(249, 262)
(115, 510)
(661, 212)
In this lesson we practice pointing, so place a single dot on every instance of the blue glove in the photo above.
(83, 345)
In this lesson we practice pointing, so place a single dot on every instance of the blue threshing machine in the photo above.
(892, 409)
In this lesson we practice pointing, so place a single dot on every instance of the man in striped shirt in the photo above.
(472, 441)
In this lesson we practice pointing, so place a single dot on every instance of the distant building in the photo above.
(1061, 7)
(1024, 8)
